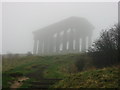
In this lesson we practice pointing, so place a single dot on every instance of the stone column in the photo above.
(57, 43)
(40, 48)
(54, 42)
(64, 42)
(35, 47)
(83, 47)
(77, 39)
(77, 44)
(68, 40)
(74, 40)
(48, 45)
(71, 41)
(51, 46)
(87, 43)
(45, 45)
(80, 44)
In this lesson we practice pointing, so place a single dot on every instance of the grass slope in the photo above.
(36, 67)
(58, 66)
(100, 78)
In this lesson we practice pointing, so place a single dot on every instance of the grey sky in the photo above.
(21, 19)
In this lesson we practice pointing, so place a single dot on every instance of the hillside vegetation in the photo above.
(37, 67)
(75, 70)
(100, 78)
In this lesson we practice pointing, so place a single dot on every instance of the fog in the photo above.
(21, 19)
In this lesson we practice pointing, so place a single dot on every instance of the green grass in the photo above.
(59, 66)
(49, 66)
(99, 78)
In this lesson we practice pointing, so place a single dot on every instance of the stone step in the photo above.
(39, 87)
(42, 83)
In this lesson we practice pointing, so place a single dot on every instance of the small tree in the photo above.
(105, 49)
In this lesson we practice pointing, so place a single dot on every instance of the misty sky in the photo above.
(21, 19)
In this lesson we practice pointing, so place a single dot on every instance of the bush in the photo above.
(105, 50)
(84, 62)
(80, 64)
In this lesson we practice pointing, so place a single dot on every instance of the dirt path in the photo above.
(18, 82)
(38, 74)
(40, 81)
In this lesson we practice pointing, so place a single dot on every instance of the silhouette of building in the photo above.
(71, 35)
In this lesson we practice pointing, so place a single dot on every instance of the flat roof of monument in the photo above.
(72, 21)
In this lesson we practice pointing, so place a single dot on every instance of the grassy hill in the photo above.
(66, 67)
(37, 67)
(99, 78)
